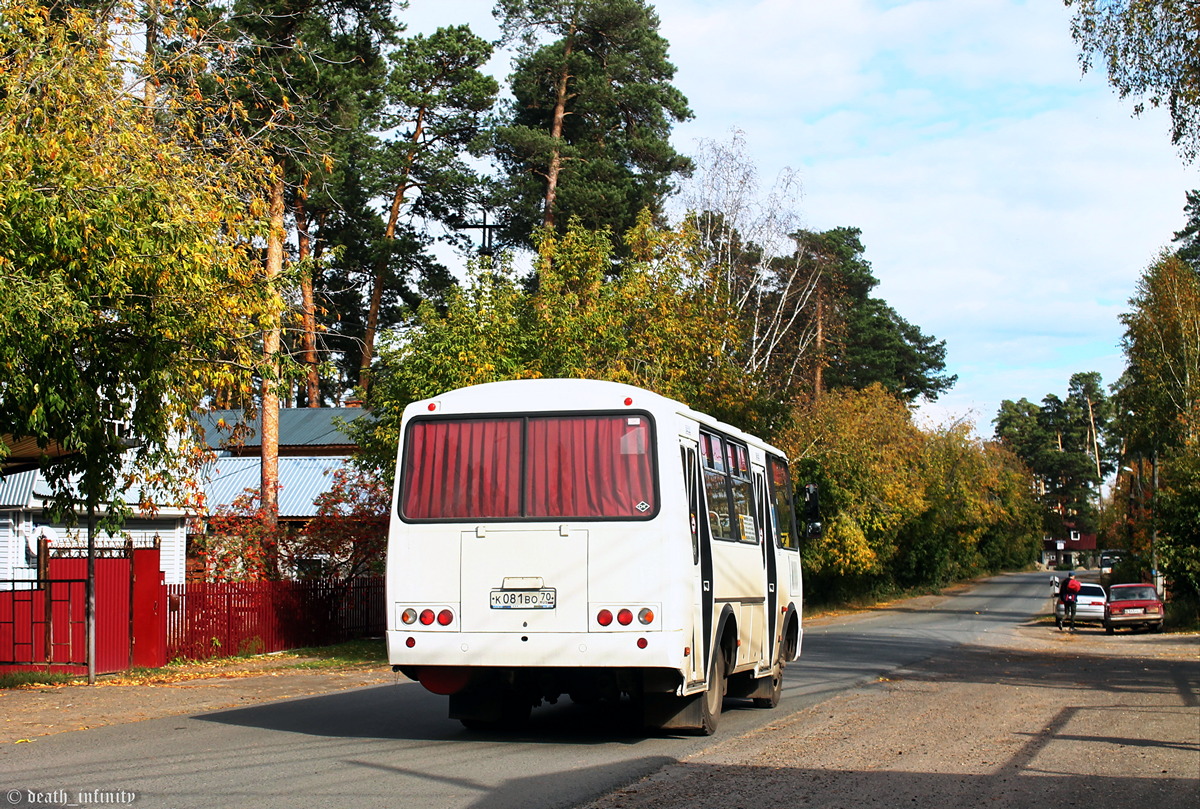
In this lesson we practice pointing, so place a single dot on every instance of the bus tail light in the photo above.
(434, 617)
(625, 616)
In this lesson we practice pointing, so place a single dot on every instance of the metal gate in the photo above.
(43, 621)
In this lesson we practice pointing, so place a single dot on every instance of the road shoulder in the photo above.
(1032, 717)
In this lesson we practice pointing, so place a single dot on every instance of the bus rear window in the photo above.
(545, 467)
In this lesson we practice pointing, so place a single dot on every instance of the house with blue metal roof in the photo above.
(313, 447)
(25, 519)
(302, 431)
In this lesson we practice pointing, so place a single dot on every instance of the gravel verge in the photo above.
(1034, 717)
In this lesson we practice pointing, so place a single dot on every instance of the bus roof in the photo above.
(565, 395)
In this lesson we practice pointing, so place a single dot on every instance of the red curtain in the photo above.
(463, 469)
(574, 467)
(596, 466)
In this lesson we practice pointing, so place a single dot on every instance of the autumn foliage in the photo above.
(345, 539)
(905, 506)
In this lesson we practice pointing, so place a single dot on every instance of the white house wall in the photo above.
(8, 530)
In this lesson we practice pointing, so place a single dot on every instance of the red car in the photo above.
(1133, 605)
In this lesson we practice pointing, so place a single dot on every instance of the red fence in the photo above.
(43, 621)
(219, 620)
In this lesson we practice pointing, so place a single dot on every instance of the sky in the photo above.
(1008, 203)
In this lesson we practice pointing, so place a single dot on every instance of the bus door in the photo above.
(785, 543)
(702, 590)
(770, 568)
(737, 557)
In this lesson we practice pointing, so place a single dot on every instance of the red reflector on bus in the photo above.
(604, 617)
(445, 617)
(444, 679)
(427, 617)
(625, 617)
(643, 643)
(410, 642)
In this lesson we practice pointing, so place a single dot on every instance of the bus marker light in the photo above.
(427, 617)
(646, 616)
(410, 642)
(445, 618)
(432, 406)
(628, 401)
(604, 618)
(625, 617)
(687, 651)
(643, 643)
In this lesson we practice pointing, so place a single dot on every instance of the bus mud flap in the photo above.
(671, 712)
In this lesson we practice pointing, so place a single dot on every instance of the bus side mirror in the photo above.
(812, 511)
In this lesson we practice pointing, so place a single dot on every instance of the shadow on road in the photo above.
(409, 712)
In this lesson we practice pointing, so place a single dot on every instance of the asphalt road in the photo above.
(392, 746)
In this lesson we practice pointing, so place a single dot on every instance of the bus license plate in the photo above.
(523, 599)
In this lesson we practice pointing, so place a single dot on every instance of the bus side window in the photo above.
(743, 492)
(716, 487)
(781, 504)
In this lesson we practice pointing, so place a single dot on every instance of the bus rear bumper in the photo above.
(630, 649)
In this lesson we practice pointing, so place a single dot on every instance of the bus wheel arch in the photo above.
(727, 637)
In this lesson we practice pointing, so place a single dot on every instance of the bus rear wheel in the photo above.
(772, 699)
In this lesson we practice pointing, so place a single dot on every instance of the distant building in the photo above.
(1073, 549)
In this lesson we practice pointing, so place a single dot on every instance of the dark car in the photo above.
(1133, 605)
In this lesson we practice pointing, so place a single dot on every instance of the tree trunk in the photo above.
(380, 276)
(556, 128)
(819, 345)
(149, 63)
(308, 336)
(271, 341)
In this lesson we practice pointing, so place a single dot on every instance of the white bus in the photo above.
(590, 539)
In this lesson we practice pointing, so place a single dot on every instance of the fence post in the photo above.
(43, 574)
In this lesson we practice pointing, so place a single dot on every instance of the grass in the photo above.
(366, 653)
(17, 679)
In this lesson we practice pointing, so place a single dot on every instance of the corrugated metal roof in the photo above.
(301, 481)
(16, 490)
(298, 426)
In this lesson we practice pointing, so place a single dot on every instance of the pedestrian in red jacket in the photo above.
(1068, 594)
